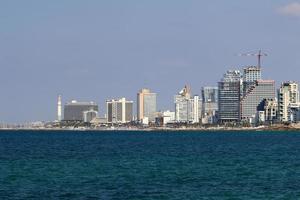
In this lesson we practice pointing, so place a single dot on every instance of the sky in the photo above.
(97, 50)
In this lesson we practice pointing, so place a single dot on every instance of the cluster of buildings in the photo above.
(242, 98)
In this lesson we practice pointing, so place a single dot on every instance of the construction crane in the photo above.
(258, 55)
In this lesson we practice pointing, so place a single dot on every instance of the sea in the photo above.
(149, 165)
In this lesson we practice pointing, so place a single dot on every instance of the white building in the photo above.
(59, 108)
(119, 111)
(288, 93)
(187, 109)
(168, 116)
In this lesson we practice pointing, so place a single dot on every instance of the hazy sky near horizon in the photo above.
(96, 50)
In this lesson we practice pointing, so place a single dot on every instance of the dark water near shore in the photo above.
(149, 165)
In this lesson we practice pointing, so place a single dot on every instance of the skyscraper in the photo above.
(288, 93)
(210, 98)
(210, 104)
(146, 105)
(229, 97)
(59, 109)
(256, 93)
(119, 111)
(251, 74)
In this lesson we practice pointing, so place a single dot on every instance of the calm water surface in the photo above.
(149, 165)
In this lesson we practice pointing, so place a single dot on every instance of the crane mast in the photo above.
(259, 55)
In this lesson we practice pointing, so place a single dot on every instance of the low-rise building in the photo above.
(267, 111)
(294, 112)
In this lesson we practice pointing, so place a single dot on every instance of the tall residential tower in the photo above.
(119, 111)
(288, 93)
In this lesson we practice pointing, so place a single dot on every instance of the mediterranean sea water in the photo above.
(149, 165)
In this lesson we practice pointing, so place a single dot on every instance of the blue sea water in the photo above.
(149, 165)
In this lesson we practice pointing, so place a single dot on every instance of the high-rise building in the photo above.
(119, 111)
(210, 104)
(210, 99)
(74, 111)
(146, 105)
(187, 109)
(251, 74)
(59, 109)
(229, 94)
(197, 109)
(256, 93)
(288, 93)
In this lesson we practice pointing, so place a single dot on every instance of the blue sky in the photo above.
(97, 50)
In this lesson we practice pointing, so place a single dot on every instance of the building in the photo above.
(168, 116)
(187, 109)
(288, 93)
(59, 110)
(164, 117)
(229, 94)
(119, 111)
(74, 111)
(146, 105)
(99, 121)
(256, 93)
(209, 105)
(267, 111)
(89, 115)
(251, 74)
(294, 112)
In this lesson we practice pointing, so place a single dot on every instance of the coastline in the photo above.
(167, 129)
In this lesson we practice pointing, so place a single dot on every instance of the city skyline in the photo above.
(102, 50)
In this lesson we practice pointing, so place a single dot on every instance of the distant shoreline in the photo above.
(153, 129)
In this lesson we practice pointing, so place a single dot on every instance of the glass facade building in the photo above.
(260, 90)
(210, 99)
(146, 105)
(229, 94)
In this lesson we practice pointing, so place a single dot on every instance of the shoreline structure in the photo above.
(277, 127)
